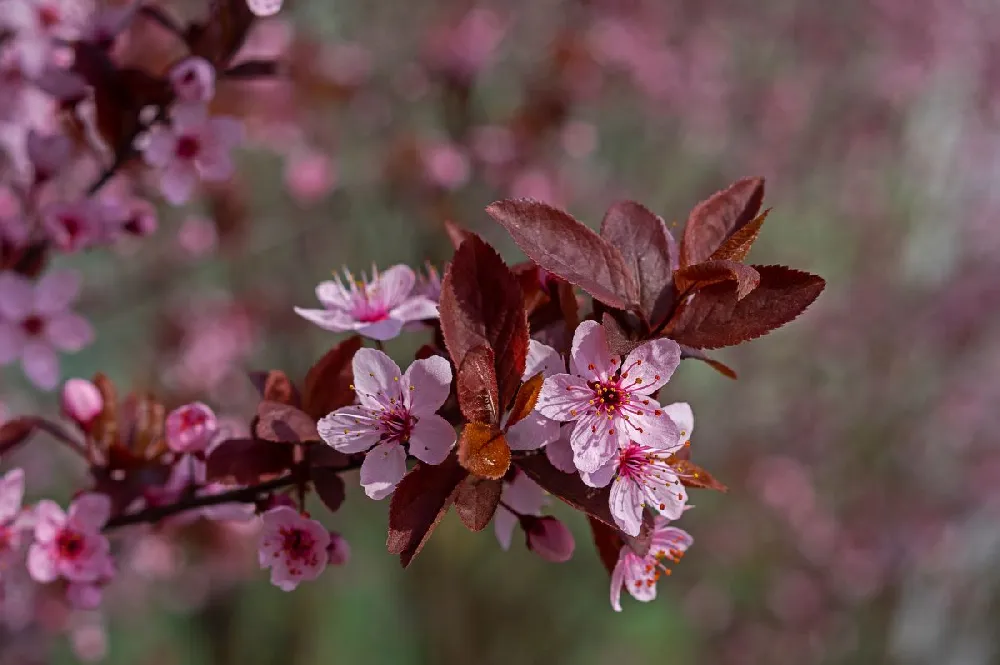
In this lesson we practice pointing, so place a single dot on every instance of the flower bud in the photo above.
(339, 550)
(191, 428)
(548, 538)
(81, 401)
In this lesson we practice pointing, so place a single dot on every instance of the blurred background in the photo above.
(859, 443)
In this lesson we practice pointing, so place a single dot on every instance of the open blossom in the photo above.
(535, 430)
(77, 225)
(394, 410)
(611, 401)
(377, 309)
(193, 80)
(70, 545)
(639, 574)
(194, 147)
(35, 322)
(11, 495)
(191, 428)
(294, 547)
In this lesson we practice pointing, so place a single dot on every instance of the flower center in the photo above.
(396, 425)
(368, 314)
(33, 326)
(72, 225)
(69, 544)
(188, 147)
(608, 396)
(298, 544)
(192, 419)
(48, 16)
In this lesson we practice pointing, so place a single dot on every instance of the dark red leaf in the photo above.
(697, 354)
(649, 251)
(248, 461)
(274, 385)
(715, 317)
(483, 450)
(476, 501)
(478, 397)
(16, 431)
(329, 487)
(223, 33)
(455, 233)
(526, 399)
(712, 221)
(608, 542)
(737, 246)
(323, 455)
(328, 383)
(481, 303)
(282, 423)
(694, 277)
(419, 503)
(567, 248)
(619, 341)
(692, 475)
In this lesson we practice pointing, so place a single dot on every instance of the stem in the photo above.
(60, 435)
(379, 345)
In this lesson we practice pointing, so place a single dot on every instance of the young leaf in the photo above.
(16, 431)
(715, 317)
(329, 487)
(567, 248)
(692, 475)
(476, 501)
(104, 429)
(526, 399)
(247, 461)
(691, 278)
(328, 382)
(478, 397)
(607, 541)
(619, 341)
(737, 246)
(282, 423)
(483, 450)
(274, 385)
(697, 354)
(482, 304)
(649, 251)
(420, 501)
(724, 213)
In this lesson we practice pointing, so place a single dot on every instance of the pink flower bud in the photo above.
(339, 550)
(193, 80)
(548, 538)
(81, 401)
(191, 428)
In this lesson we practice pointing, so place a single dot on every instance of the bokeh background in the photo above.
(863, 521)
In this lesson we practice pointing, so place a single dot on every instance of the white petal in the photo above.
(377, 378)
(650, 366)
(564, 397)
(426, 385)
(626, 505)
(681, 414)
(533, 432)
(542, 358)
(431, 439)
(602, 476)
(383, 468)
(351, 429)
(590, 356)
(393, 286)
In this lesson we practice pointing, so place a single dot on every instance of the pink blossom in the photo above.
(138, 218)
(446, 165)
(612, 402)
(560, 451)
(264, 7)
(70, 545)
(193, 80)
(191, 428)
(194, 146)
(76, 226)
(11, 522)
(294, 547)
(339, 550)
(48, 154)
(429, 285)
(639, 574)
(197, 236)
(310, 176)
(81, 401)
(35, 322)
(522, 495)
(535, 430)
(394, 411)
(548, 538)
(377, 309)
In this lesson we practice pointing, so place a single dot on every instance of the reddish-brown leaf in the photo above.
(478, 397)
(328, 383)
(712, 221)
(16, 431)
(715, 318)
(692, 475)
(222, 34)
(608, 542)
(563, 246)
(283, 423)
(323, 455)
(476, 501)
(526, 399)
(718, 366)
(248, 461)
(420, 501)
(694, 277)
(104, 428)
(737, 246)
(649, 251)
(274, 385)
(329, 487)
(482, 304)
(483, 450)
(619, 341)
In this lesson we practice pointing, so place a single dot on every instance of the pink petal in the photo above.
(504, 522)
(617, 581)
(160, 147)
(376, 377)
(177, 182)
(650, 366)
(426, 385)
(393, 286)
(332, 320)
(564, 397)
(90, 511)
(542, 358)
(49, 519)
(626, 505)
(637, 579)
(590, 349)
(602, 476)
(188, 116)
(40, 365)
(533, 432)
(227, 132)
(351, 429)
(193, 80)
(431, 439)
(680, 413)
(12, 341)
(17, 296)
(658, 431)
(668, 537)
(11, 494)
(383, 468)
(524, 495)
(560, 452)
(550, 539)
(415, 309)
(41, 565)
(69, 332)
(56, 291)
(84, 596)
(381, 330)
(667, 495)
(214, 164)
(592, 445)
(333, 295)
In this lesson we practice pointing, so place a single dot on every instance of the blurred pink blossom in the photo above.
(637, 574)
(548, 538)
(523, 495)
(191, 428)
(70, 545)
(193, 80)
(81, 401)
(310, 176)
(293, 547)
(11, 518)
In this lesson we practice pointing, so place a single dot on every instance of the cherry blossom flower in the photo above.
(70, 545)
(194, 146)
(310, 175)
(48, 153)
(191, 428)
(339, 550)
(638, 574)
(81, 401)
(35, 322)
(193, 80)
(78, 225)
(294, 547)
(394, 410)
(11, 522)
(377, 309)
(535, 430)
(548, 538)
(611, 401)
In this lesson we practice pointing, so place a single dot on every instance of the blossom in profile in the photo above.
(521, 502)
(36, 322)
(396, 413)
(339, 550)
(376, 308)
(70, 545)
(639, 574)
(11, 517)
(293, 546)
(82, 402)
(191, 428)
(193, 80)
(193, 147)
